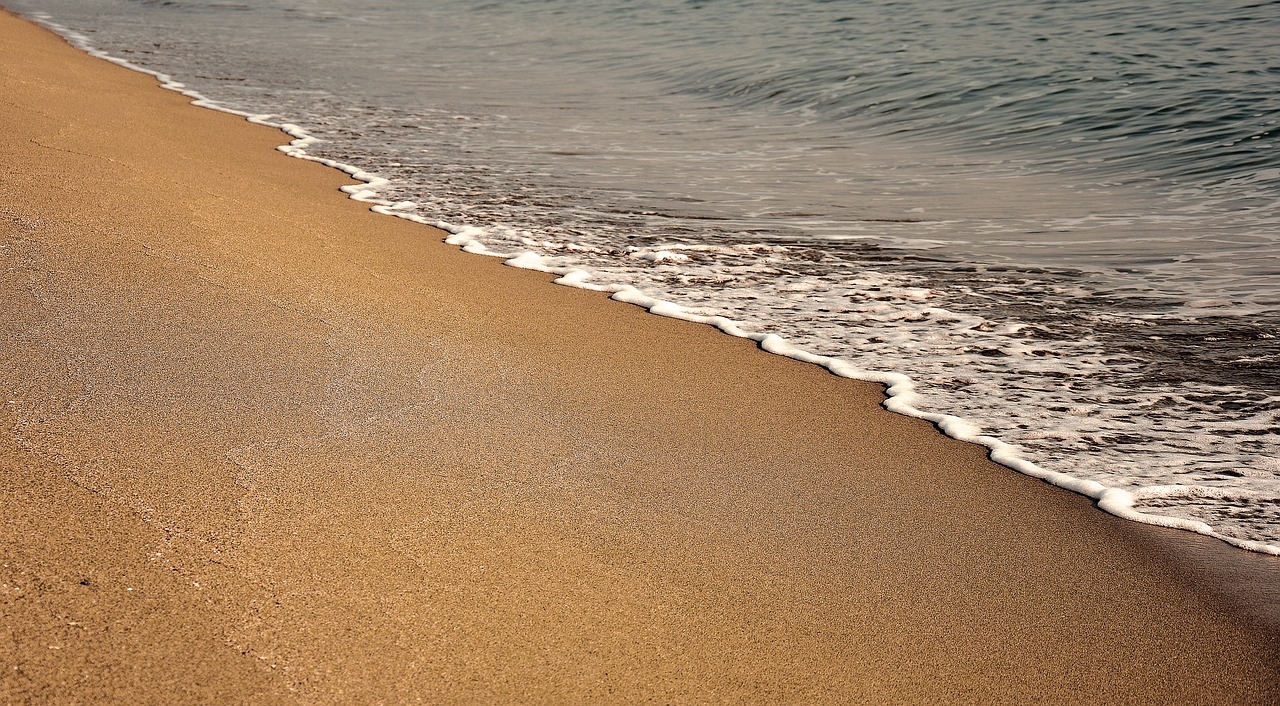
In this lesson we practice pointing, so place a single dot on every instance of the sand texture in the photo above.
(261, 445)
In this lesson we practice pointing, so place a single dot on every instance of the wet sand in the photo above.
(262, 445)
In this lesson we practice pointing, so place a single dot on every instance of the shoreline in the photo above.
(293, 413)
(902, 396)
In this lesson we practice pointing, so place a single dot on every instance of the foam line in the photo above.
(899, 388)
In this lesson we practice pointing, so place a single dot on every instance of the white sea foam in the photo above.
(879, 299)
(900, 390)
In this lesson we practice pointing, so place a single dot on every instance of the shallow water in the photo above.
(1059, 219)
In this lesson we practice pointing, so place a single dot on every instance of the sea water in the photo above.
(1051, 227)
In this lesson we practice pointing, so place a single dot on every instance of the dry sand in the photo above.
(261, 445)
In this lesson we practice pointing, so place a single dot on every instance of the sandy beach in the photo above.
(263, 445)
